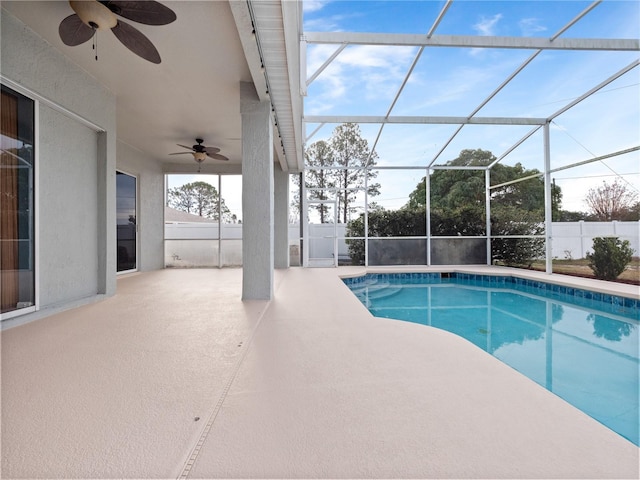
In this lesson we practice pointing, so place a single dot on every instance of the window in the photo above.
(17, 265)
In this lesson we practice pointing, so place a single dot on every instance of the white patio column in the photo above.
(281, 216)
(257, 195)
(106, 214)
(547, 201)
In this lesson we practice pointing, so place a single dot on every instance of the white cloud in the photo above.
(332, 77)
(327, 24)
(486, 25)
(330, 23)
(374, 72)
(313, 5)
(530, 26)
(375, 56)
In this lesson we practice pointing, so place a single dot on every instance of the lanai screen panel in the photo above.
(428, 80)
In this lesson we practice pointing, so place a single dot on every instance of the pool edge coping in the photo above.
(599, 286)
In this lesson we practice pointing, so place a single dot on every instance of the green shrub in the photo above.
(506, 220)
(463, 221)
(385, 223)
(610, 257)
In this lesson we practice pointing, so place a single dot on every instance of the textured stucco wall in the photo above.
(67, 226)
(150, 204)
(76, 170)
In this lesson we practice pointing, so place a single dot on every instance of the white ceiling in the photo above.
(194, 92)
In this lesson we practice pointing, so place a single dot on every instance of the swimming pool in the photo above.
(580, 345)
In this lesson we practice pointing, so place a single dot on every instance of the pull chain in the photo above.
(95, 42)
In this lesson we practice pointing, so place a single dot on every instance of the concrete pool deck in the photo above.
(309, 385)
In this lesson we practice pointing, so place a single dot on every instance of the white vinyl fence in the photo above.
(575, 239)
(198, 244)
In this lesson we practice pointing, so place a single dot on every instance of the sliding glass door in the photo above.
(17, 252)
(126, 195)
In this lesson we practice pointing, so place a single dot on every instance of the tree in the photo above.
(611, 201)
(452, 189)
(199, 198)
(633, 214)
(319, 154)
(351, 151)
(570, 216)
(510, 221)
(345, 148)
(458, 205)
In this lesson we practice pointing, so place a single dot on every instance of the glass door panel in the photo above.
(126, 195)
(17, 252)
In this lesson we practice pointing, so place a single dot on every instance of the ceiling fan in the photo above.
(200, 152)
(93, 15)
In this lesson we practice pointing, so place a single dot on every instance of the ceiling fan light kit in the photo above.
(93, 15)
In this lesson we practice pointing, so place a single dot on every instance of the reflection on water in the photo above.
(587, 357)
(609, 329)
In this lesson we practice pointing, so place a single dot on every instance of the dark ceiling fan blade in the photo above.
(211, 150)
(184, 146)
(73, 31)
(217, 156)
(135, 40)
(148, 12)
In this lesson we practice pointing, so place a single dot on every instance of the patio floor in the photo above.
(309, 385)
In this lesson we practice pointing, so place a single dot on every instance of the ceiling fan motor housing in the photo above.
(94, 14)
(199, 147)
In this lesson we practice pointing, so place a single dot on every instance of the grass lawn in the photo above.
(581, 268)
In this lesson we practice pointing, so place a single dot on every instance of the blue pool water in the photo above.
(581, 345)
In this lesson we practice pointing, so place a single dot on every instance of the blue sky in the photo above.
(363, 80)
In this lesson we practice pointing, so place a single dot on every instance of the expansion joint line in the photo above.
(186, 470)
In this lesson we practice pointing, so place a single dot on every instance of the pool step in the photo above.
(374, 291)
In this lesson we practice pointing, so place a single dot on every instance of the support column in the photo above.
(547, 201)
(106, 191)
(281, 214)
(366, 220)
(427, 211)
(257, 195)
(487, 206)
